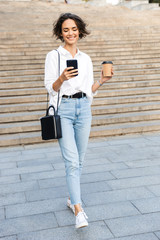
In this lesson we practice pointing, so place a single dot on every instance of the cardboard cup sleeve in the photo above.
(107, 67)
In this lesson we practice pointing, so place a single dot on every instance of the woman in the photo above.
(76, 93)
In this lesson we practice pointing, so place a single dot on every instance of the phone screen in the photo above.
(72, 63)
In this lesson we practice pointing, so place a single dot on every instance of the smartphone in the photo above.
(73, 63)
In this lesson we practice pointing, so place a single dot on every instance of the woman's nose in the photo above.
(70, 32)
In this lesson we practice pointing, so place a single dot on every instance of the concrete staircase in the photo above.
(129, 103)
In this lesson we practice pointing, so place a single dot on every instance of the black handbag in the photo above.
(51, 124)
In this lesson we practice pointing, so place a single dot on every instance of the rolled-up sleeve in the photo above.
(50, 72)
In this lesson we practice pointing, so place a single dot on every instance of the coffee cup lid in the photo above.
(107, 62)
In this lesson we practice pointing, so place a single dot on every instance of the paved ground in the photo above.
(120, 191)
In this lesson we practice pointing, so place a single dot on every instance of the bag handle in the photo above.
(56, 112)
(47, 111)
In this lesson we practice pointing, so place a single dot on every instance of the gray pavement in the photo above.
(120, 191)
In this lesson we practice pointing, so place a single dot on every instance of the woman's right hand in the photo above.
(68, 73)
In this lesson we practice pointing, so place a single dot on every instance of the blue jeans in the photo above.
(76, 123)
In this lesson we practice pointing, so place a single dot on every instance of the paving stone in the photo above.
(94, 187)
(61, 191)
(45, 146)
(36, 149)
(7, 165)
(42, 175)
(134, 224)
(2, 213)
(157, 234)
(117, 149)
(100, 149)
(10, 179)
(153, 138)
(128, 140)
(30, 169)
(132, 155)
(143, 163)
(37, 207)
(147, 236)
(52, 182)
(9, 238)
(136, 172)
(97, 143)
(49, 193)
(23, 157)
(96, 177)
(86, 178)
(90, 156)
(18, 187)
(155, 189)
(52, 154)
(126, 154)
(115, 196)
(27, 224)
(5, 154)
(35, 162)
(96, 161)
(134, 182)
(103, 167)
(148, 205)
(98, 213)
(94, 231)
(13, 198)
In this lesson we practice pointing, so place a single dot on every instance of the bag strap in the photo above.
(58, 76)
(59, 90)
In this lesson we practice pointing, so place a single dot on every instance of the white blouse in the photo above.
(81, 83)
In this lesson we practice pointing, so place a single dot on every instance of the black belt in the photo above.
(76, 95)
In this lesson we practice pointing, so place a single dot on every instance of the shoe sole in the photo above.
(81, 226)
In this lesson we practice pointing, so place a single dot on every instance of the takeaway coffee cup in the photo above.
(107, 68)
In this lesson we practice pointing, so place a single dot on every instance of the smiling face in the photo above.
(70, 32)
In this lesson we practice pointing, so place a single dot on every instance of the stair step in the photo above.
(97, 99)
(123, 129)
(126, 118)
(100, 131)
(102, 93)
(96, 62)
(16, 87)
(97, 108)
(117, 67)
(37, 78)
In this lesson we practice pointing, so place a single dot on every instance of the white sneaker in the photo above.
(73, 209)
(81, 220)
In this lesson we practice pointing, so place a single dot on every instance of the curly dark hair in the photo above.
(81, 25)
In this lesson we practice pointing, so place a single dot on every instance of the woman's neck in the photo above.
(72, 49)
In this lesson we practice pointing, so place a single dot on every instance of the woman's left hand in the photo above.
(105, 79)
